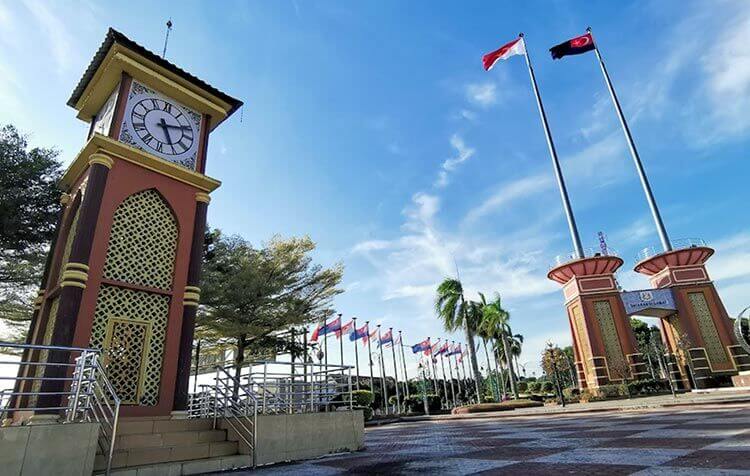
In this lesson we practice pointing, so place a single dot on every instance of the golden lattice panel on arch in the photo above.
(142, 242)
(615, 357)
(711, 339)
(126, 344)
(121, 304)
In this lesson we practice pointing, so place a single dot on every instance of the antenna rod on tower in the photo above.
(166, 38)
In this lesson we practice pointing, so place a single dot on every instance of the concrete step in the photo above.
(140, 426)
(197, 466)
(175, 438)
(150, 455)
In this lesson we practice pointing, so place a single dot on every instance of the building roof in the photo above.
(113, 37)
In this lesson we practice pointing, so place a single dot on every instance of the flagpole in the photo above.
(369, 352)
(555, 161)
(458, 374)
(382, 371)
(395, 370)
(445, 384)
(665, 243)
(325, 343)
(403, 361)
(450, 371)
(356, 353)
(341, 341)
(463, 367)
(434, 374)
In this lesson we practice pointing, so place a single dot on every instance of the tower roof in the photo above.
(114, 37)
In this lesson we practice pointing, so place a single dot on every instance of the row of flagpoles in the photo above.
(427, 350)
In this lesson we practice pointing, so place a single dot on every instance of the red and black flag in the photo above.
(575, 46)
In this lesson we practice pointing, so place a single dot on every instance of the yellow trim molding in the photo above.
(196, 289)
(76, 284)
(120, 59)
(202, 197)
(112, 148)
(101, 159)
(75, 275)
(80, 266)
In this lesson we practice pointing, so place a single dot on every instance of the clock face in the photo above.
(161, 126)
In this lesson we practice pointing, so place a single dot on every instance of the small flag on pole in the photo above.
(326, 328)
(575, 46)
(421, 347)
(345, 329)
(360, 333)
(515, 47)
(387, 338)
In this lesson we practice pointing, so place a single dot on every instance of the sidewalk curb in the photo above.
(512, 413)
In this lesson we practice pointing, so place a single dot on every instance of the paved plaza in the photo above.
(696, 440)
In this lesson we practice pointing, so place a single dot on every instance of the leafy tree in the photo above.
(453, 309)
(249, 294)
(495, 322)
(29, 206)
(644, 336)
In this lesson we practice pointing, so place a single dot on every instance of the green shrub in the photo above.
(547, 387)
(366, 412)
(363, 398)
(535, 387)
(612, 391)
(494, 407)
(523, 387)
(488, 399)
(571, 394)
(648, 387)
(414, 403)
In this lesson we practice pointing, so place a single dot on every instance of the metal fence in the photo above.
(678, 244)
(82, 394)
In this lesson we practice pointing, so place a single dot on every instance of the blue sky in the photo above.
(372, 127)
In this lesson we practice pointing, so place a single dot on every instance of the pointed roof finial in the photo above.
(166, 38)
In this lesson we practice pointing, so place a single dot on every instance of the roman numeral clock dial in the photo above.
(161, 127)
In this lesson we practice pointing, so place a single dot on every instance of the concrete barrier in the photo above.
(297, 436)
(59, 449)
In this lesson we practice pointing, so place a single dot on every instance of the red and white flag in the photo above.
(515, 47)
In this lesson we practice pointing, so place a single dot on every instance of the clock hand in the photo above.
(187, 128)
(165, 126)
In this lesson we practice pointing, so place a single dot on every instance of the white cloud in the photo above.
(58, 35)
(508, 193)
(482, 94)
(727, 68)
(462, 154)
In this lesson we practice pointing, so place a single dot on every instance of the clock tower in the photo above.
(123, 274)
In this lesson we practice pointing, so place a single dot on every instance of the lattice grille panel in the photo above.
(711, 340)
(142, 242)
(583, 344)
(615, 357)
(137, 306)
(126, 345)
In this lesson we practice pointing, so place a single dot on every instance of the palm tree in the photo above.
(495, 321)
(456, 313)
(516, 345)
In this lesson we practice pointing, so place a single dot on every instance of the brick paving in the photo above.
(700, 440)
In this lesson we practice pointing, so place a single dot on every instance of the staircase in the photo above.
(160, 445)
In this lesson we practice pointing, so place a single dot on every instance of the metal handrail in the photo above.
(678, 244)
(87, 395)
(560, 260)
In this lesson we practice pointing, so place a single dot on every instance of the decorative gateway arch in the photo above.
(702, 351)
